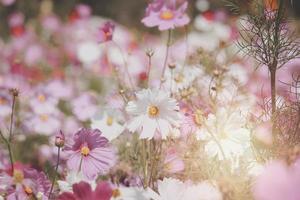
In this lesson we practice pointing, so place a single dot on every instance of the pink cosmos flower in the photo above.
(105, 32)
(83, 191)
(43, 123)
(42, 103)
(278, 181)
(8, 2)
(84, 107)
(27, 183)
(90, 153)
(166, 15)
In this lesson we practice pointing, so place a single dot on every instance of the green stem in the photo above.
(56, 168)
(167, 55)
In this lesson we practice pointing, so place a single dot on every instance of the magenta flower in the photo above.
(166, 15)
(105, 32)
(90, 153)
(83, 191)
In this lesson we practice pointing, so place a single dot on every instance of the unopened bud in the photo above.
(149, 52)
(60, 139)
(14, 92)
(172, 65)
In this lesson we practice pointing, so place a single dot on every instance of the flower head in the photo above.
(105, 32)
(90, 153)
(228, 128)
(153, 111)
(109, 126)
(29, 183)
(60, 139)
(166, 15)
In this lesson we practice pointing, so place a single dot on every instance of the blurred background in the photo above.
(126, 12)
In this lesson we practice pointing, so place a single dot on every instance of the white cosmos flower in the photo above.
(228, 129)
(108, 125)
(168, 188)
(152, 111)
(180, 78)
(202, 191)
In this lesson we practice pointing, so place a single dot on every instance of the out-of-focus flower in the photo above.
(105, 33)
(203, 191)
(278, 181)
(108, 125)
(180, 78)
(83, 191)
(7, 2)
(16, 24)
(81, 11)
(90, 153)
(168, 188)
(84, 107)
(72, 178)
(42, 103)
(153, 111)
(228, 129)
(43, 123)
(166, 15)
(88, 53)
(33, 54)
(28, 182)
(59, 89)
(172, 162)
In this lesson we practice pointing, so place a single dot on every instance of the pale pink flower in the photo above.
(278, 181)
(90, 153)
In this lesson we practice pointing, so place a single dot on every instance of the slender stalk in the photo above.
(145, 163)
(9, 151)
(56, 168)
(150, 54)
(12, 118)
(273, 90)
(167, 55)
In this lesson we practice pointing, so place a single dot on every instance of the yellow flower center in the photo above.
(85, 151)
(28, 190)
(41, 98)
(44, 117)
(116, 193)
(18, 176)
(166, 15)
(3, 101)
(109, 121)
(153, 111)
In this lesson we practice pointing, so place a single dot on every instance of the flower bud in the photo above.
(60, 139)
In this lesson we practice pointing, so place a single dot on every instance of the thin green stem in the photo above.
(56, 168)
(12, 118)
(167, 55)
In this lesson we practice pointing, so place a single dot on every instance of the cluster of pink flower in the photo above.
(119, 123)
